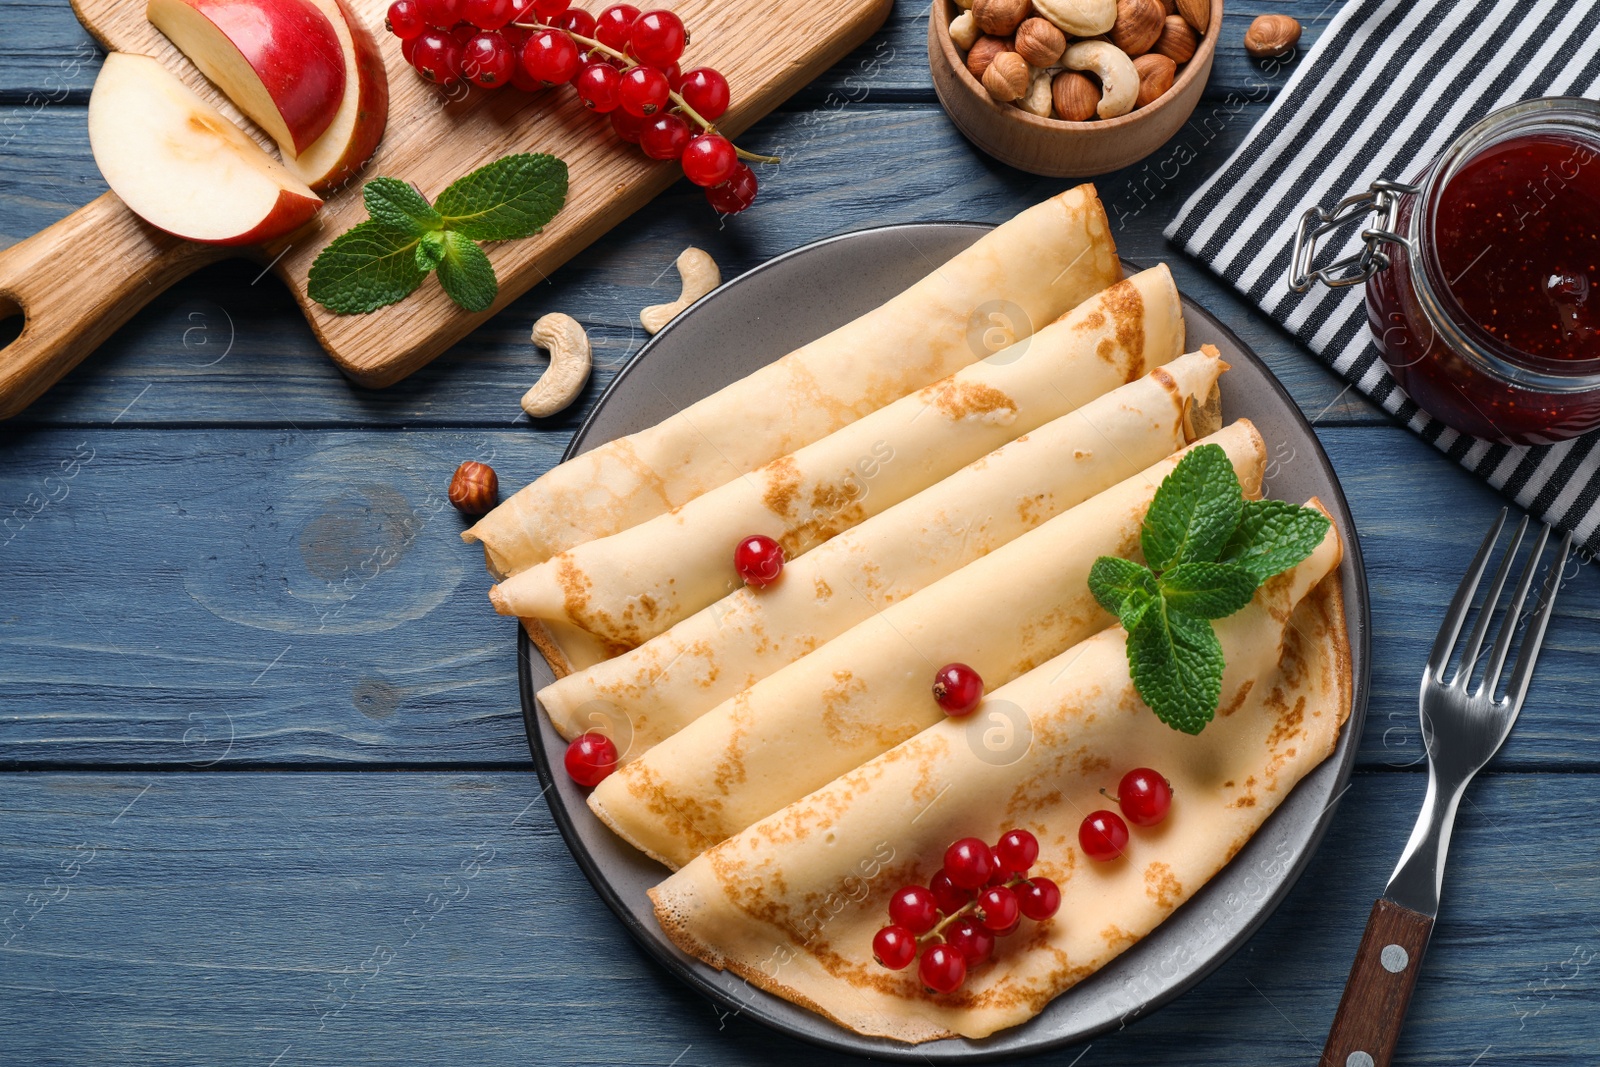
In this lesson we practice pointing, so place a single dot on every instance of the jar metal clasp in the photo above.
(1382, 200)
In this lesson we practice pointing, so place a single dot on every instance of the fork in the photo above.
(1462, 729)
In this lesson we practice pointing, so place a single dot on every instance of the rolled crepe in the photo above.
(870, 688)
(1022, 275)
(633, 585)
(646, 695)
(793, 902)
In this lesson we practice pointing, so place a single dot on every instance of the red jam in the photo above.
(1515, 265)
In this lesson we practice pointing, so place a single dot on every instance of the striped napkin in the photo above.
(1387, 87)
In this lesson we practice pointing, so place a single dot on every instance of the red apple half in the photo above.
(278, 60)
(358, 126)
(179, 164)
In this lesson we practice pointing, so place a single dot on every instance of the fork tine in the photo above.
(1529, 653)
(1486, 614)
(1450, 629)
(1508, 628)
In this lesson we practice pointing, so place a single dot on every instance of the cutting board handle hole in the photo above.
(13, 320)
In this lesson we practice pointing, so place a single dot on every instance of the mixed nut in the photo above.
(1078, 59)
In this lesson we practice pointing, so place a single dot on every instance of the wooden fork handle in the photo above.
(1367, 1025)
(75, 283)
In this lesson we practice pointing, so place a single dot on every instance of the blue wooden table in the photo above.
(266, 797)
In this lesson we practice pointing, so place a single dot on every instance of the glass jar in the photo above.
(1483, 273)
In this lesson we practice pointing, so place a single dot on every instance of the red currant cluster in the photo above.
(1145, 798)
(980, 893)
(623, 63)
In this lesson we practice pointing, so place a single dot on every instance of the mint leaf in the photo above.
(367, 267)
(430, 249)
(399, 206)
(1208, 590)
(1176, 664)
(466, 274)
(1194, 511)
(1274, 535)
(511, 197)
(1123, 587)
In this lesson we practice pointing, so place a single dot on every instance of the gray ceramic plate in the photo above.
(755, 319)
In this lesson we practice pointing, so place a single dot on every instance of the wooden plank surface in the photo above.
(302, 597)
(306, 919)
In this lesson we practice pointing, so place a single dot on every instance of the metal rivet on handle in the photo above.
(1394, 958)
(1358, 1059)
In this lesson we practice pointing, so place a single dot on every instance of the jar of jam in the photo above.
(1483, 273)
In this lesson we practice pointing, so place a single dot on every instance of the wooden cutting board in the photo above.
(80, 279)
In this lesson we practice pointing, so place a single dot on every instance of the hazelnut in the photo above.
(474, 490)
(1007, 77)
(1000, 17)
(1075, 96)
(1177, 41)
(1270, 36)
(1196, 13)
(982, 53)
(963, 31)
(1139, 24)
(1039, 42)
(1155, 77)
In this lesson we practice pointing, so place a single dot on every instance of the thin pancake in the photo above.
(1023, 274)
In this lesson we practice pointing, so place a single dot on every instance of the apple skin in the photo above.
(182, 166)
(352, 138)
(279, 61)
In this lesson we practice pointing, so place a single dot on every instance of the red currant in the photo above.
(969, 863)
(971, 939)
(997, 908)
(657, 38)
(664, 136)
(488, 60)
(1038, 898)
(626, 126)
(546, 10)
(575, 20)
(957, 688)
(706, 91)
(644, 91)
(525, 81)
(914, 908)
(598, 85)
(550, 57)
(408, 49)
(758, 559)
(437, 57)
(950, 897)
(440, 14)
(405, 20)
(735, 194)
(1145, 796)
(943, 969)
(591, 758)
(709, 159)
(488, 14)
(894, 947)
(1016, 850)
(674, 76)
(462, 32)
(613, 24)
(1103, 835)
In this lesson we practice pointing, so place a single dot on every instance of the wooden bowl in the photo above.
(1054, 147)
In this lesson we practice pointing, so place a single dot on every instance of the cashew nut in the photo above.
(964, 31)
(1079, 18)
(1037, 100)
(700, 275)
(564, 379)
(1119, 81)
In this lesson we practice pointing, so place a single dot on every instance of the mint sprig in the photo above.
(383, 260)
(1206, 550)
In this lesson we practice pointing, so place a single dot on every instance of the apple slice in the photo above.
(180, 165)
(358, 126)
(278, 60)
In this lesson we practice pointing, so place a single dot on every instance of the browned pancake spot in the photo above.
(1162, 886)
(957, 399)
(783, 486)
